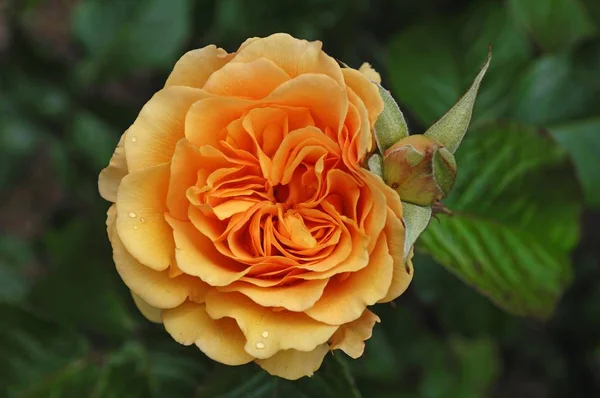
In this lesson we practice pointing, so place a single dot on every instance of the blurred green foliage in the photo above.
(74, 74)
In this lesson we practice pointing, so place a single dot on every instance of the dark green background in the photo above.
(74, 74)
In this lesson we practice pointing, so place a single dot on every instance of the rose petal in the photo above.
(155, 288)
(296, 57)
(184, 173)
(268, 332)
(345, 300)
(208, 117)
(403, 272)
(110, 177)
(152, 138)
(351, 337)
(370, 72)
(196, 66)
(293, 364)
(151, 313)
(196, 255)
(326, 99)
(366, 90)
(141, 205)
(111, 217)
(297, 297)
(221, 340)
(255, 79)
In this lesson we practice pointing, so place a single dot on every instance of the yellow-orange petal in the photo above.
(111, 217)
(294, 56)
(221, 340)
(297, 297)
(151, 313)
(370, 72)
(403, 274)
(151, 139)
(255, 79)
(366, 90)
(208, 117)
(110, 177)
(196, 255)
(326, 99)
(345, 300)
(293, 364)
(266, 331)
(154, 287)
(351, 337)
(195, 67)
(186, 163)
(141, 205)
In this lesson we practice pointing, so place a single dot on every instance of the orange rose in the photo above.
(243, 218)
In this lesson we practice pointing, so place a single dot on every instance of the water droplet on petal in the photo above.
(132, 214)
(133, 139)
(135, 227)
(265, 334)
(260, 345)
(142, 220)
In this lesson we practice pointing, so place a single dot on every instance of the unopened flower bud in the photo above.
(420, 169)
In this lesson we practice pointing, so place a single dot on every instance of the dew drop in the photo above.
(265, 334)
(132, 214)
(260, 345)
(142, 220)
(135, 227)
(133, 139)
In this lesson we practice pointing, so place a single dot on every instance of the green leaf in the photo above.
(543, 18)
(332, 380)
(237, 382)
(416, 218)
(390, 126)
(135, 370)
(125, 36)
(41, 359)
(516, 218)
(16, 261)
(582, 141)
(540, 100)
(73, 290)
(451, 128)
(431, 63)
(93, 138)
(375, 164)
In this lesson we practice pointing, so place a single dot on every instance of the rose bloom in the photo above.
(243, 217)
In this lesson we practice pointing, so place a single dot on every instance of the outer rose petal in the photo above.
(295, 57)
(296, 297)
(283, 329)
(110, 177)
(151, 313)
(344, 301)
(255, 79)
(111, 217)
(140, 217)
(293, 364)
(152, 138)
(221, 340)
(325, 98)
(370, 72)
(195, 67)
(367, 92)
(155, 288)
(351, 337)
(403, 273)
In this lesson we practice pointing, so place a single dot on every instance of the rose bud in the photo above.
(420, 169)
